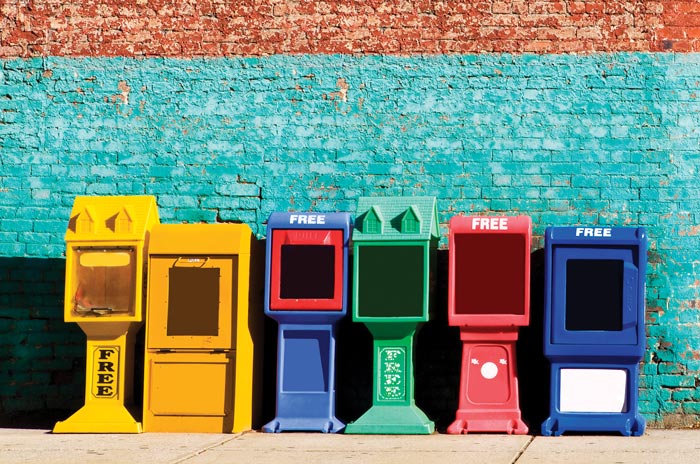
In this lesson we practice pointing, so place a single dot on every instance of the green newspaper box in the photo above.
(394, 245)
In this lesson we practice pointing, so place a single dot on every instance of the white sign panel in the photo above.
(593, 390)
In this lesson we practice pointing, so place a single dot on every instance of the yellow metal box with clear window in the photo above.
(106, 244)
(203, 347)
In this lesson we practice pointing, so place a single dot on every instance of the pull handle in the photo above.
(182, 260)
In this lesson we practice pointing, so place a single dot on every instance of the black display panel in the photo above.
(391, 281)
(307, 272)
(594, 292)
(193, 301)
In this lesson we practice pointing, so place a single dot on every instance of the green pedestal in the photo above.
(393, 410)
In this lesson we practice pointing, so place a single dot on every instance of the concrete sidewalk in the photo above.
(39, 446)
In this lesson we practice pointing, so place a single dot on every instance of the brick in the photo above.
(485, 133)
(677, 381)
(544, 27)
(16, 225)
(12, 249)
(691, 408)
(238, 189)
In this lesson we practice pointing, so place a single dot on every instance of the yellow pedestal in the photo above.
(108, 382)
(106, 246)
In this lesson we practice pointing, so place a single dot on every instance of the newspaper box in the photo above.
(594, 332)
(106, 244)
(306, 293)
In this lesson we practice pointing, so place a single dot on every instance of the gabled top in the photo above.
(373, 222)
(410, 222)
(124, 221)
(111, 218)
(396, 218)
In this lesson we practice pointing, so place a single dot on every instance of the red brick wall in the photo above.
(258, 27)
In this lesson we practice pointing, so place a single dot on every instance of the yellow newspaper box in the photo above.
(203, 349)
(106, 245)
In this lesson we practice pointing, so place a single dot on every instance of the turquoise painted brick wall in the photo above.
(41, 358)
(566, 139)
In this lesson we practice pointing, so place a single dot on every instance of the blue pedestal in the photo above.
(306, 293)
(305, 375)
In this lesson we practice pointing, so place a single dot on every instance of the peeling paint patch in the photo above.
(125, 89)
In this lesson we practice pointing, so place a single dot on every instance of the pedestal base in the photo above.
(109, 364)
(306, 424)
(306, 378)
(95, 418)
(392, 420)
(488, 400)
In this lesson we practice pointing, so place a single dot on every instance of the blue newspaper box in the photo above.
(306, 293)
(594, 333)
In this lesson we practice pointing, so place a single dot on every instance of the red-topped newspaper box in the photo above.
(489, 298)
(306, 267)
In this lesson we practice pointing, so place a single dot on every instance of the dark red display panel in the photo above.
(489, 274)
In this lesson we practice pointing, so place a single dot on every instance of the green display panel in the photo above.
(391, 281)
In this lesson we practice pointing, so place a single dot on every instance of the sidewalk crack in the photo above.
(523, 449)
(208, 448)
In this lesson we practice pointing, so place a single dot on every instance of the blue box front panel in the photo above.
(594, 293)
(305, 359)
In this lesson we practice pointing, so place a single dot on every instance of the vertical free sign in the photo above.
(105, 372)
(392, 374)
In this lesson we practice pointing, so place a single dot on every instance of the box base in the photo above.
(626, 424)
(191, 392)
(189, 424)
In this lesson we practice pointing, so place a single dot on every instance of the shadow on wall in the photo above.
(533, 366)
(438, 357)
(42, 359)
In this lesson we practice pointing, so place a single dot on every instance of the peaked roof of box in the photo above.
(395, 218)
(109, 218)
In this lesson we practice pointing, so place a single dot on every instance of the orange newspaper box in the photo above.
(106, 243)
(203, 361)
